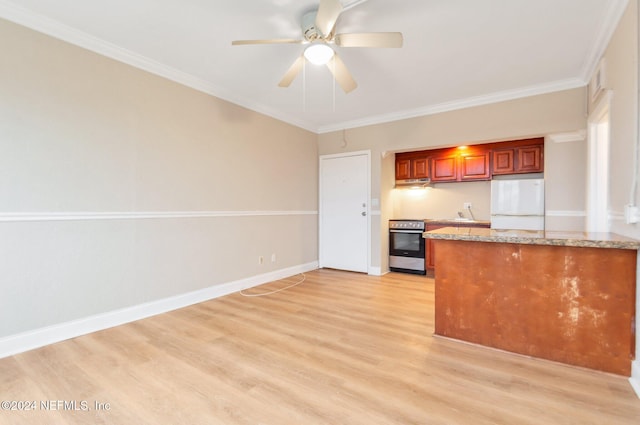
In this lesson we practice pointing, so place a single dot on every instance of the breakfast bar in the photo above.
(562, 296)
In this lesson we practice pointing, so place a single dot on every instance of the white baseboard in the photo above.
(635, 376)
(25, 341)
(375, 271)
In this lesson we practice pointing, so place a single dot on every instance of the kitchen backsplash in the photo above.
(443, 200)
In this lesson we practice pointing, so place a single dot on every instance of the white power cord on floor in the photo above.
(303, 277)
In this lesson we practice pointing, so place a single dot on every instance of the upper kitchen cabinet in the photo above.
(403, 169)
(420, 168)
(475, 166)
(472, 163)
(461, 164)
(530, 159)
(523, 156)
(503, 162)
(445, 168)
(412, 165)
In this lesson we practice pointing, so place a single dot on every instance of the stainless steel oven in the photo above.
(406, 246)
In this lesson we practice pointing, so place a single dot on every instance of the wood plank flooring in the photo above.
(340, 348)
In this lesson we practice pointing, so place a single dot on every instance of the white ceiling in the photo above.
(456, 53)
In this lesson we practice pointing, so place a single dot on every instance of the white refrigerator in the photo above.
(517, 204)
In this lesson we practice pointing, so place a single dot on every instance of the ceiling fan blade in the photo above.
(370, 39)
(328, 13)
(292, 72)
(341, 74)
(272, 41)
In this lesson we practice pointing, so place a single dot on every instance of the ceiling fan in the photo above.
(318, 30)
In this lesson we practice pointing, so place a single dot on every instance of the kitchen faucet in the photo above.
(471, 213)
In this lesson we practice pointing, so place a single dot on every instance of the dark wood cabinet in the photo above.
(403, 169)
(519, 159)
(529, 159)
(444, 168)
(420, 168)
(472, 163)
(475, 166)
(412, 166)
(503, 162)
(429, 250)
(455, 165)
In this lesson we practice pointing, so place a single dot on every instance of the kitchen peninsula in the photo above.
(562, 296)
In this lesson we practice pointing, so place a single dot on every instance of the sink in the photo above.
(459, 220)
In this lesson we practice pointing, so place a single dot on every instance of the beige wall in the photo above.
(565, 175)
(443, 200)
(118, 187)
(528, 117)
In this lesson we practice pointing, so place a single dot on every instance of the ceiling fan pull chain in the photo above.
(304, 86)
(333, 64)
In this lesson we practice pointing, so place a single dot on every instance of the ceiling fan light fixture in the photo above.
(319, 53)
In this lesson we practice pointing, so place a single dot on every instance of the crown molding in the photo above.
(604, 33)
(45, 25)
(55, 29)
(502, 96)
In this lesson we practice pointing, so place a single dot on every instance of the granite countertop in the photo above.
(460, 222)
(532, 237)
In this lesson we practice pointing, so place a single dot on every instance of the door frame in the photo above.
(367, 154)
(599, 136)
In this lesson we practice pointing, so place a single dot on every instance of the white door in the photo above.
(344, 211)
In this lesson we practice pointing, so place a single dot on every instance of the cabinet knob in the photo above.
(364, 213)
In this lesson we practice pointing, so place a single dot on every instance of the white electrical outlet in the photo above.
(260, 259)
(273, 257)
(467, 205)
(630, 214)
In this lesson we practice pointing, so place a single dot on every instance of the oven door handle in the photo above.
(405, 231)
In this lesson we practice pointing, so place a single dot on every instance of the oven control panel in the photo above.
(406, 224)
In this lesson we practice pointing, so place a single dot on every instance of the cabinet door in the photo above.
(420, 168)
(530, 159)
(503, 162)
(429, 247)
(444, 168)
(430, 252)
(403, 169)
(430, 255)
(475, 167)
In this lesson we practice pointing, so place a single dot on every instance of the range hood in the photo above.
(409, 183)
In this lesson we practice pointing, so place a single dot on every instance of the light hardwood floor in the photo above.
(341, 348)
